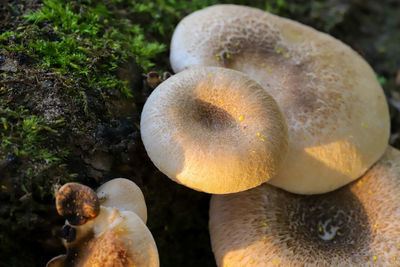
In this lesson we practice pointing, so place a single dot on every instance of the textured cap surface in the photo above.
(335, 109)
(214, 130)
(356, 225)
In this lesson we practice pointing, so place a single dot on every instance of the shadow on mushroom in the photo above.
(355, 225)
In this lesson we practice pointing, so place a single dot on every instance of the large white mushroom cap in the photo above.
(356, 225)
(337, 115)
(214, 130)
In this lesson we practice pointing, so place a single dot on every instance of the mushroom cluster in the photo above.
(336, 111)
(215, 127)
(104, 228)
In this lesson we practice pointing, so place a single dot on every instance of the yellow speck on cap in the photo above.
(360, 182)
(269, 70)
(211, 75)
(234, 108)
(275, 261)
(264, 237)
(3, 187)
(258, 134)
(279, 50)
(217, 57)
(262, 64)
(320, 229)
(252, 261)
(237, 44)
(265, 224)
(332, 65)
(370, 192)
(375, 226)
(262, 139)
(240, 118)
(339, 233)
(228, 55)
(375, 257)
(286, 56)
(2, 88)
(346, 70)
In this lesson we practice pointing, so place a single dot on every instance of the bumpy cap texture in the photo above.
(335, 109)
(214, 130)
(356, 225)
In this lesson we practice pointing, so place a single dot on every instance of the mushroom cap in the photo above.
(356, 225)
(335, 109)
(77, 203)
(113, 238)
(123, 194)
(214, 130)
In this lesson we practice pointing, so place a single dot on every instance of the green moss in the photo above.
(21, 134)
(88, 41)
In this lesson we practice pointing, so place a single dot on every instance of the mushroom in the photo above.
(214, 130)
(113, 237)
(335, 109)
(77, 203)
(123, 194)
(356, 225)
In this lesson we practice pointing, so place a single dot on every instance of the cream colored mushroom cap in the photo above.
(113, 238)
(335, 109)
(214, 130)
(123, 194)
(356, 225)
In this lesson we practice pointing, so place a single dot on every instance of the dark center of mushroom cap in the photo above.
(211, 116)
(325, 225)
(77, 203)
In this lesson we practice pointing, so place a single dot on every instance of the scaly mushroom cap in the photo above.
(357, 225)
(336, 111)
(113, 238)
(123, 194)
(214, 130)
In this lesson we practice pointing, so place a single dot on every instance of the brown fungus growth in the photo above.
(77, 203)
(114, 237)
(214, 130)
(335, 109)
(356, 225)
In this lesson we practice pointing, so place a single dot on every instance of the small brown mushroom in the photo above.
(77, 203)
(96, 235)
